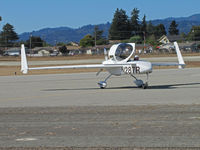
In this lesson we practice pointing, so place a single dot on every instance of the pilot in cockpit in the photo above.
(136, 58)
(123, 51)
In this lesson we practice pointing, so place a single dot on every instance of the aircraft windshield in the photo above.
(123, 51)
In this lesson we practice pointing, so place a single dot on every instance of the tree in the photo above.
(35, 41)
(8, 35)
(173, 28)
(150, 29)
(60, 44)
(159, 31)
(135, 26)
(63, 49)
(0, 18)
(135, 39)
(144, 26)
(152, 41)
(194, 34)
(87, 41)
(120, 27)
(97, 34)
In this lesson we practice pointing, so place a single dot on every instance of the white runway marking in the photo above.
(195, 118)
(26, 139)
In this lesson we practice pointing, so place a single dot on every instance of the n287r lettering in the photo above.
(131, 70)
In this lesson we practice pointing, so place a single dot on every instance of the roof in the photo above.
(14, 49)
(43, 48)
(173, 38)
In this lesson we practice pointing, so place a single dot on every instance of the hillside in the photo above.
(184, 23)
(66, 34)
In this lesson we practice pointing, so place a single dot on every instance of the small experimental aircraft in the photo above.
(117, 62)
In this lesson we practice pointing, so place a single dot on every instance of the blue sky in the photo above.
(29, 15)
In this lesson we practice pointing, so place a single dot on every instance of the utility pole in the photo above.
(95, 38)
(144, 40)
(6, 43)
(30, 45)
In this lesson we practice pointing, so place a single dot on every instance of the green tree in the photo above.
(194, 34)
(8, 35)
(159, 31)
(144, 26)
(120, 27)
(87, 41)
(173, 28)
(60, 44)
(97, 33)
(135, 39)
(0, 38)
(152, 41)
(63, 49)
(150, 29)
(135, 26)
(98, 36)
(35, 41)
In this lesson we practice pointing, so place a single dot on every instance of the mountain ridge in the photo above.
(67, 34)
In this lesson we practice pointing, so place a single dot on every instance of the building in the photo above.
(166, 39)
(15, 51)
(43, 51)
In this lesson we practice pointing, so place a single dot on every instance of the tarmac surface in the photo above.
(101, 126)
(70, 110)
(167, 86)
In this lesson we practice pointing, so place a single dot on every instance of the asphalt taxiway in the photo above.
(170, 86)
(66, 110)
(101, 126)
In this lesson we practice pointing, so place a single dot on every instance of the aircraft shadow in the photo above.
(172, 86)
(168, 86)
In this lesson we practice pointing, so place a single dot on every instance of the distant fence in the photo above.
(100, 148)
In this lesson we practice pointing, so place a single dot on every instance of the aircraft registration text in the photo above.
(128, 69)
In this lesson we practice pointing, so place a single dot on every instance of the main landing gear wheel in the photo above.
(140, 83)
(103, 84)
(144, 86)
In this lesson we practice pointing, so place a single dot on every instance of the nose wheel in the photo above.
(102, 84)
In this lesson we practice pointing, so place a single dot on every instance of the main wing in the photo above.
(180, 64)
(25, 68)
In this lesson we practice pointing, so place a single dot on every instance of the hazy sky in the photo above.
(29, 15)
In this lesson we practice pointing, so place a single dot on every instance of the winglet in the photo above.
(180, 58)
(24, 65)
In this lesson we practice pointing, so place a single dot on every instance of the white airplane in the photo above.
(118, 62)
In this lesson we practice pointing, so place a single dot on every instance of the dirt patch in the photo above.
(48, 58)
(78, 57)
(15, 70)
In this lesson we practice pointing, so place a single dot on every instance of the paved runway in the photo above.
(102, 126)
(171, 86)
(70, 110)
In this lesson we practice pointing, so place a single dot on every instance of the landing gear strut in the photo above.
(103, 84)
(140, 83)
